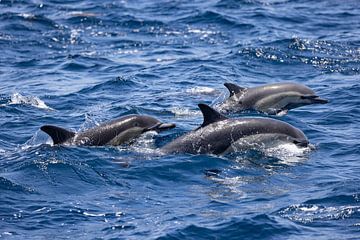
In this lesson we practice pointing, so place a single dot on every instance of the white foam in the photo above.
(145, 144)
(201, 31)
(33, 101)
(181, 111)
(74, 35)
(201, 91)
(27, 15)
(288, 153)
(94, 214)
(311, 213)
(7, 233)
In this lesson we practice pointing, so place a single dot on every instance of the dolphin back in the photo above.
(58, 135)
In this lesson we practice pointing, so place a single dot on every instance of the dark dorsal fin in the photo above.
(57, 134)
(210, 115)
(233, 88)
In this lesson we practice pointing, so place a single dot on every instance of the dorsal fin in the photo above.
(233, 88)
(210, 115)
(57, 134)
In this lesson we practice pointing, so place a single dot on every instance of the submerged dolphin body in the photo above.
(220, 135)
(114, 133)
(272, 99)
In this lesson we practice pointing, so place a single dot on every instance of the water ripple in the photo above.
(75, 64)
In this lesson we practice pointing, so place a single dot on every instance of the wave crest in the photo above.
(18, 99)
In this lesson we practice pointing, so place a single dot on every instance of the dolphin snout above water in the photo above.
(160, 127)
(272, 99)
(315, 99)
(116, 132)
(221, 135)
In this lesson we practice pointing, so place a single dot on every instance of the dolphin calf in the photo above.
(221, 135)
(277, 98)
(116, 132)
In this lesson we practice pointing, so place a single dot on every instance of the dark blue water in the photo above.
(79, 63)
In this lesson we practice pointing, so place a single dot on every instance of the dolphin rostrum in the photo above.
(115, 132)
(277, 98)
(220, 135)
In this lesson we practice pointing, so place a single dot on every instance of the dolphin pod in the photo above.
(116, 132)
(272, 99)
(220, 135)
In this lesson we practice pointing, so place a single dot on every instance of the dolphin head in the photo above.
(148, 123)
(133, 126)
(303, 100)
(312, 99)
(144, 123)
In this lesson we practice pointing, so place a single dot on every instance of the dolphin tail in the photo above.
(57, 134)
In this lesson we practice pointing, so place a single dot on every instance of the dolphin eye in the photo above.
(136, 124)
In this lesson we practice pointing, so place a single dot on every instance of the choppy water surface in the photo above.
(78, 63)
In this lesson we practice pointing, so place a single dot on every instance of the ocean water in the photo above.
(76, 64)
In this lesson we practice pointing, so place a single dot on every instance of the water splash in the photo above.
(36, 140)
(145, 144)
(201, 91)
(33, 101)
(183, 111)
(288, 153)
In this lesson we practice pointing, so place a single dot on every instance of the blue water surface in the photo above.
(79, 63)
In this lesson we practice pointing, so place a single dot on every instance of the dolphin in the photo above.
(220, 135)
(273, 99)
(115, 132)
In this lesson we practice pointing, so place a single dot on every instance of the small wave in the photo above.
(327, 56)
(211, 17)
(120, 82)
(308, 213)
(6, 184)
(40, 19)
(33, 101)
(28, 17)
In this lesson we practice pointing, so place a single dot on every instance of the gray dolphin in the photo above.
(272, 99)
(220, 135)
(116, 132)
